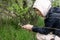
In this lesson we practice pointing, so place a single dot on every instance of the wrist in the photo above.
(31, 27)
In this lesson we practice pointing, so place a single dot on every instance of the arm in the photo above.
(41, 30)
(36, 29)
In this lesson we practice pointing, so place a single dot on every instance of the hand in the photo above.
(28, 26)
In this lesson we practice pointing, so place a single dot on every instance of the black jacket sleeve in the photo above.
(41, 30)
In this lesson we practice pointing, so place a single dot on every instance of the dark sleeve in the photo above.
(41, 30)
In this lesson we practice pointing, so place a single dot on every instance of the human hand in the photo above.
(27, 26)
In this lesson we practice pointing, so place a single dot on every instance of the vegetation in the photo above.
(13, 12)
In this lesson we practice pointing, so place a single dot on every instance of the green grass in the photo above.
(40, 22)
(14, 32)
(10, 32)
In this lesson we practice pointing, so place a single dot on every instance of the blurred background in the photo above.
(14, 12)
